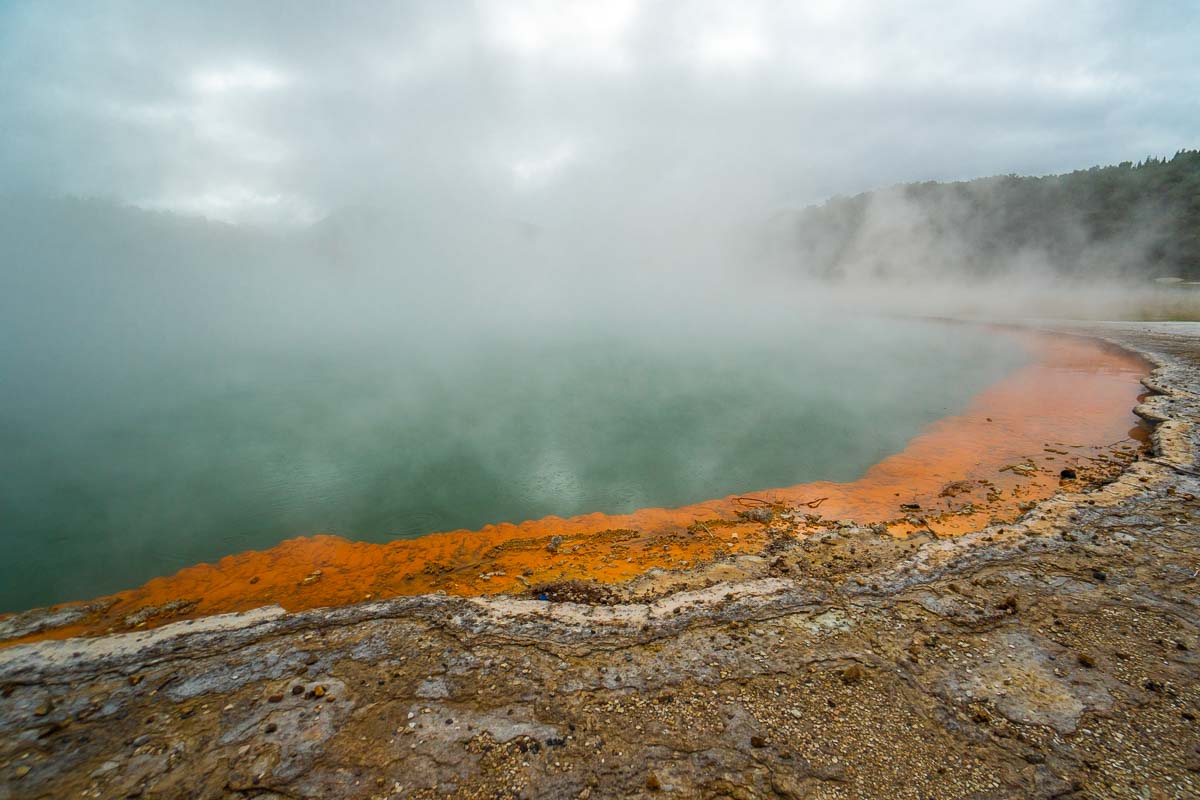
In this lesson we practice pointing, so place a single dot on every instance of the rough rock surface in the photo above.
(1058, 657)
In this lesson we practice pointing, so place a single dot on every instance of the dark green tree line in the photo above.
(1136, 221)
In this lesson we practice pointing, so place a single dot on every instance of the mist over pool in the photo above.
(150, 453)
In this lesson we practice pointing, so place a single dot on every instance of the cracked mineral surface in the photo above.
(1054, 655)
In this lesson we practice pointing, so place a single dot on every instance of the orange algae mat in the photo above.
(1070, 407)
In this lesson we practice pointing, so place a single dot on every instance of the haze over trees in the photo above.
(1132, 221)
(103, 263)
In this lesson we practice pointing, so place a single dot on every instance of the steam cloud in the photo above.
(634, 143)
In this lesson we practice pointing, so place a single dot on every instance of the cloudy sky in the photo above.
(280, 112)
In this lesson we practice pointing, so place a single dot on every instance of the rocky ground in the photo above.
(1055, 657)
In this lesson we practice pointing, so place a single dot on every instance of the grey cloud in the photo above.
(282, 112)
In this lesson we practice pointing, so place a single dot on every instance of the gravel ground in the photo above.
(1057, 657)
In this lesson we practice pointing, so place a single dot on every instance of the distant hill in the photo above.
(1136, 221)
(82, 235)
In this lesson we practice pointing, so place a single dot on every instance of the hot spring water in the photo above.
(118, 470)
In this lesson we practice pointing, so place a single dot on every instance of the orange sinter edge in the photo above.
(1069, 408)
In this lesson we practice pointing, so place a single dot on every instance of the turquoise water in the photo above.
(123, 462)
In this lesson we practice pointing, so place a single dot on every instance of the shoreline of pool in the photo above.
(937, 484)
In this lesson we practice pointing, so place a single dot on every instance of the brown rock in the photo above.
(853, 673)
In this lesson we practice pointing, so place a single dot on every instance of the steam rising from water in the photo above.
(133, 451)
(570, 155)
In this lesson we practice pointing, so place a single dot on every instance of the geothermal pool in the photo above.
(121, 466)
